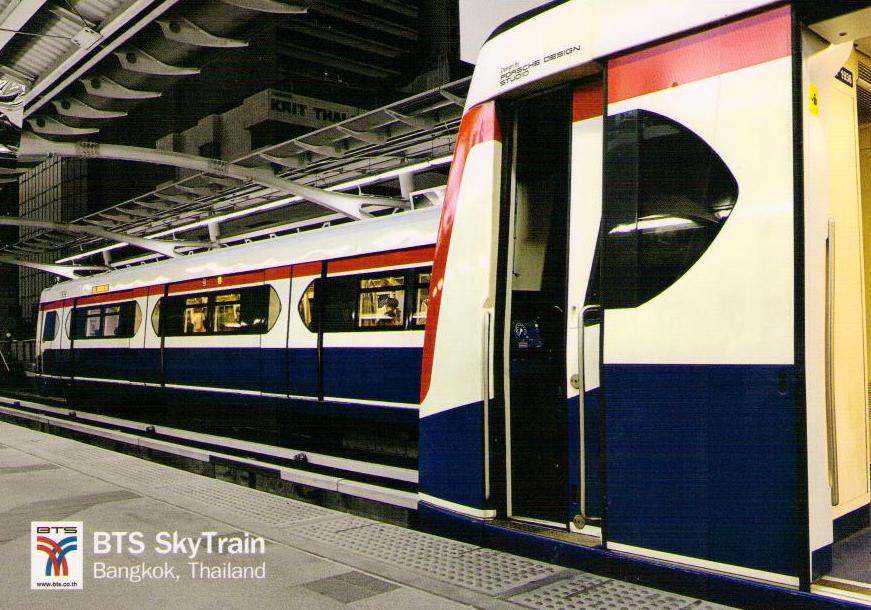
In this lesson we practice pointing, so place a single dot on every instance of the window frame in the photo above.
(127, 312)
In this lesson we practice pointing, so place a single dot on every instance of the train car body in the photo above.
(642, 331)
(326, 323)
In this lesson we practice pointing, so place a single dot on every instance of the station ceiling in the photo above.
(77, 69)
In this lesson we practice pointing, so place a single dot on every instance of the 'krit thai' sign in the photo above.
(307, 111)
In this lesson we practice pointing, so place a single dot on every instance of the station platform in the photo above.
(312, 557)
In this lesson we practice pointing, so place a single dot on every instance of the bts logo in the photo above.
(56, 554)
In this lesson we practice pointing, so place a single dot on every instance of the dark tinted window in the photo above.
(49, 326)
(667, 195)
(239, 311)
(115, 321)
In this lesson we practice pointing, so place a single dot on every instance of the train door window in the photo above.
(381, 302)
(155, 318)
(49, 326)
(306, 307)
(667, 195)
(195, 313)
(421, 301)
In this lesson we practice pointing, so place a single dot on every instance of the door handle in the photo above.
(485, 390)
(582, 518)
(831, 415)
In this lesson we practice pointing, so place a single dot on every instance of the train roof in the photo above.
(382, 234)
(571, 35)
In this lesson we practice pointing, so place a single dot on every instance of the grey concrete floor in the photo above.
(313, 558)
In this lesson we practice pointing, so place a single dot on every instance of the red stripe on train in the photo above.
(478, 125)
(382, 259)
(367, 261)
(737, 45)
(587, 102)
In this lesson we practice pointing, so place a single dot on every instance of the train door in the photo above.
(49, 336)
(67, 358)
(535, 309)
(703, 428)
(151, 362)
(303, 350)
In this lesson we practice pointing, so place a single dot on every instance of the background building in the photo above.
(235, 82)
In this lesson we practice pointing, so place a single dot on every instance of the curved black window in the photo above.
(667, 195)
(115, 321)
(252, 310)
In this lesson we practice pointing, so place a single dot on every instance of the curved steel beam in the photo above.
(161, 246)
(180, 29)
(137, 60)
(103, 86)
(67, 271)
(344, 203)
(270, 6)
(53, 127)
(71, 107)
(370, 137)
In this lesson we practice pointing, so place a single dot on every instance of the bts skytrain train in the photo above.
(642, 331)
(333, 318)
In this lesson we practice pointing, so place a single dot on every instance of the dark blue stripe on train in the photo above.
(372, 373)
(227, 367)
(303, 372)
(451, 462)
(702, 461)
(377, 374)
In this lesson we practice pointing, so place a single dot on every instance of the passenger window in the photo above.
(667, 195)
(92, 323)
(228, 313)
(49, 326)
(112, 322)
(380, 302)
(195, 313)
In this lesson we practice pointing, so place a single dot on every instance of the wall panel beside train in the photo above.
(329, 318)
